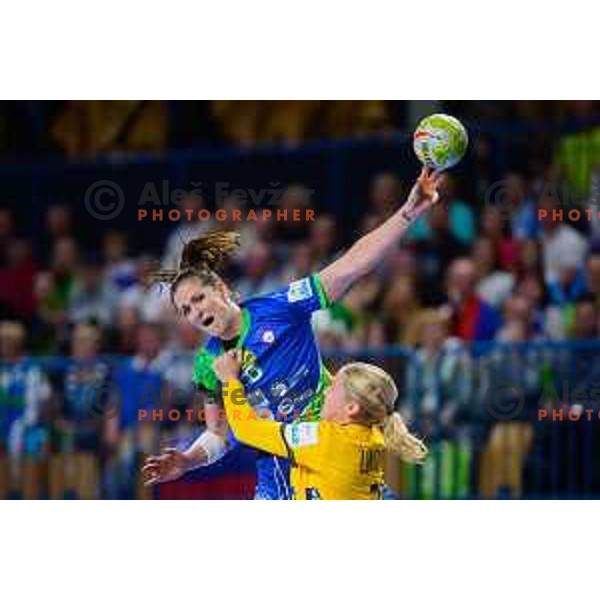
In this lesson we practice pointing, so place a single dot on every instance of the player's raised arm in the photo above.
(368, 251)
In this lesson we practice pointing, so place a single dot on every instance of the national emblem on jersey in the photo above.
(268, 337)
(299, 290)
(301, 434)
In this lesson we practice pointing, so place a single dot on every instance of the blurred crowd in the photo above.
(472, 270)
(80, 129)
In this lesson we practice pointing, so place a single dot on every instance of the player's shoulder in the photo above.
(291, 293)
(354, 433)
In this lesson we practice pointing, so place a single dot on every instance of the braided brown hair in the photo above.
(201, 258)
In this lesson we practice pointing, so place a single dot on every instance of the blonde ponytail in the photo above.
(376, 392)
(401, 442)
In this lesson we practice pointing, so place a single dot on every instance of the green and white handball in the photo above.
(440, 141)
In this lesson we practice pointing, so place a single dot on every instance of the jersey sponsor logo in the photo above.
(299, 290)
(251, 372)
(302, 434)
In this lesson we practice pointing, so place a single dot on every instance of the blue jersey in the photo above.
(282, 370)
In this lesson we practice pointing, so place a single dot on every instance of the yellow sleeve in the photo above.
(305, 443)
(247, 426)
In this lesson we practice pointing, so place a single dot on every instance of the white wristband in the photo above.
(214, 445)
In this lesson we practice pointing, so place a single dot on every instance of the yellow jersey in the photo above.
(329, 461)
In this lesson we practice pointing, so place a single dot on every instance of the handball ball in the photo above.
(440, 141)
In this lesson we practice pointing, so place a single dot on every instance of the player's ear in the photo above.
(352, 409)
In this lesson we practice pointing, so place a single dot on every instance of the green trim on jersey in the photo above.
(204, 373)
(312, 412)
(323, 299)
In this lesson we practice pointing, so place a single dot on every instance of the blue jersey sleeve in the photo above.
(304, 296)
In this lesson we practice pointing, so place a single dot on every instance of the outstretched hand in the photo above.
(169, 465)
(423, 195)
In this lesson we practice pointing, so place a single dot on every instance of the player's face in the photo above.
(207, 308)
(337, 406)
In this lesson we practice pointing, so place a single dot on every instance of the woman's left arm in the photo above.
(367, 252)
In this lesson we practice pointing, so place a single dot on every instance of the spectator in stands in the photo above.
(529, 259)
(520, 321)
(518, 201)
(58, 224)
(461, 218)
(64, 264)
(176, 364)
(49, 324)
(357, 316)
(401, 262)
(384, 197)
(295, 197)
(586, 319)
(401, 309)
(24, 394)
(471, 317)
(563, 247)
(438, 384)
(260, 272)
(78, 424)
(322, 239)
(123, 335)
(582, 365)
(150, 300)
(495, 227)
(92, 298)
(532, 287)
(299, 264)
(120, 271)
(510, 376)
(179, 357)
(17, 279)
(494, 284)
(569, 287)
(7, 232)
(131, 434)
(592, 271)
(436, 252)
